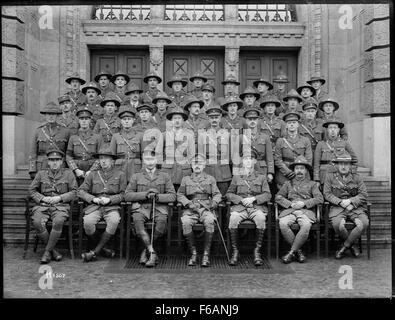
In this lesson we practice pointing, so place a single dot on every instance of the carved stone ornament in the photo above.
(232, 58)
(156, 57)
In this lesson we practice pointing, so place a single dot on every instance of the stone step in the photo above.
(364, 172)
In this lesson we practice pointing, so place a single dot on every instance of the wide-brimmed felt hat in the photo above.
(293, 94)
(51, 107)
(214, 109)
(176, 78)
(270, 98)
(330, 100)
(161, 95)
(105, 152)
(63, 98)
(75, 76)
(291, 116)
(344, 157)
(176, 110)
(192, 99)
(91, 85)
(252, 110)
(132, 87)
(300, 160)
(198, 75)
(299, 89)
(208, 87)
(263, 80)
(146, 106)
(333, 120)
(229, 100)
(281, 78)
(83, 111)
(55, 154)
(316, 78)
(103, 73)
(230, 79)
(119, 74)
(110, 96)
(310, 103)
(126, 111)
(249, 90)
(152, 74)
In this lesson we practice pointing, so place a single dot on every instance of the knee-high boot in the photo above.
(257, 251)
(190, 237)
(208, 237)
(235, 250)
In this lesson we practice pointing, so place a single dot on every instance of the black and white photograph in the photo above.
(198, 150)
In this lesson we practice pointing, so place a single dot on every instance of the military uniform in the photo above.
(195, 123)
(150, 94)
(197, 92)
(161, 121)
(107, 127)
(106, 89)
(319, 94)
(343, 131)
(338, 187)
(281, 78)
(306, 191)
(47, 137)
(49, 183)
(311, 129)
(71, 123)
(268, 92)
(97, 111)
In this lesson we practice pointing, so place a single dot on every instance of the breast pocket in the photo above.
(242, 188)
(121, 147)
(113, 186)
(78, 149)
(62, 186)
(141, 187)
(160, 185)
(97, 188)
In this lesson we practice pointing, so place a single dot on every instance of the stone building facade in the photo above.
(348, 45)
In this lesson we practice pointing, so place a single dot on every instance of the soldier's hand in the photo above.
(192, 206)
(79, 173)
(269, 177)
(153, 190)
(105, 201)
(87, 173)
(350, 207)
(45, 199)
(96, 200)
(151, 195)
(51, 200)
(56, 199)
(32, 175)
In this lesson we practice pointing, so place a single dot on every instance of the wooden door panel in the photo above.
(108, 63)
(136, 69)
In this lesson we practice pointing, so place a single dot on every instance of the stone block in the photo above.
(13, 63)
(18, 12)
(376, 34)
(374, 11)
(377, 97)
(376, 64)
(13, 96)
(12, 32)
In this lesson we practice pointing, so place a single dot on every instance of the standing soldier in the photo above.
(259, 142)
(196, 120)
(198, 80)
(177, 95)
(144, 187)
(292, 103)
(76, 95)
(103, 190)
(347, 195)
(271, 124)
(280, 90)
(306, 91)
(162, 103)
(289, 147)
(110, 123)
(82, 146)
(145, 113)
(132, 93)
(126, 144)
(249, 193)
(200, 196)
(93, 99)
(103, 79)
(250, 99)
(207, 97)
(152, 79)
(311, 127)
(120, 80)
(233, 120)
(52, 189)
(216, 145)
(177, 146)
(298, 196)
(329, 107)
(317, 83)
(263, 87)
(230, 88)
(67, 118)
(328, 150)
(47, 136)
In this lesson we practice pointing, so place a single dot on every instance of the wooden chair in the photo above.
(29, 204)
(101, 225)
(148, 225)
(248, 224)
(349, 226)
(315, 227)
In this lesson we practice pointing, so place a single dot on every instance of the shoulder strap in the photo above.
(49, 139)
(309, 132)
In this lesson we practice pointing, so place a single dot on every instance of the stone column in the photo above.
(232, 61)
(156, 61)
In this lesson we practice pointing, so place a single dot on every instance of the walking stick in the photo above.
(153, 221)
(222, 237)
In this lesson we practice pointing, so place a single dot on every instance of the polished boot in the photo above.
(56, 256)
(355, 251)
(190, 237)
(44, 237)
(153, 260)
(105, 237)
(341, 253)
(108, 253)
(53, 239)
(89, 256)
(143, 257)
(257, 251)
(235, 251)
(300, 257)
(289, 257)
(46, 258)
(208, 237)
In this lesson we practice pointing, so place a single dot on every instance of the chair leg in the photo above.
(168, 239)
(318, 234)
(36, 239)
(277, 240)
(27, 236)
(70, 236)
(80, 230)
(368, 240)
(179, 228)
(228, 240)
(121, 230)
(128, 225)
(269, 236)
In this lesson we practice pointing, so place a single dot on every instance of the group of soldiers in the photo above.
(111, 142)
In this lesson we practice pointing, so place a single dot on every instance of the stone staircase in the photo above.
(15, 190)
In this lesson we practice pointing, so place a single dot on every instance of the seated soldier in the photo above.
(311, 126)
(200, 195)
(162, 103)
(250, 99)
(120, 80)
(329, 106)
(347, 195)
(103, 190)
(177, 94)
(82, 146)
(145, 187)
(198, 80)
(52, 189)
(298, 196)
(328, 149)
(249, 193)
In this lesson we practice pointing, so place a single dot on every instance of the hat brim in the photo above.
(170, 83)
(321, 105)
(170, 115)
(50, 112)
(225, 105)
(103, 103)
(237, 83)
(108, 75)
(287, 115)
(300, 99)
(155, 100)
(201, 104)
(307, 165)
(130, 92)
(299, 90)
(345, 161)
(340, 124)
(145, 107)
(114, 77)
(203, 78)
(281, 81)
(320, 79)
(82, 81)
(243, 95)
(263, 104)
(255, 83)
(97, 155)
(85, 89)
(156, 77)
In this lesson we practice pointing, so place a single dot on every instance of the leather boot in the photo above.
(355, 252)
(190, 237)
(143, 257)
(153, 260)
(46, 258)
(289, 257)
(53, 239)
(208, 237)
(341, 253)
(105, 237)
(300, 257)
(257, 251)
(89, 256)
(44, 237)
(56, 256)
(235, 251)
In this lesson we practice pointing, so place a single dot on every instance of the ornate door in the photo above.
(257, 64)
(186, 63)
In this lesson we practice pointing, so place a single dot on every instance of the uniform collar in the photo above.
(58, 173)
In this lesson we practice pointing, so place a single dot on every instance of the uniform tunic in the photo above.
(280, 96)
(274, 127)
(106, 127)
(45, 138)
(161, 121)
(149, 95)
(178, 98)
(77, 98)
(343, 131)
(197, 92)
(312, 130)
(97, 111)
(70, 123)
